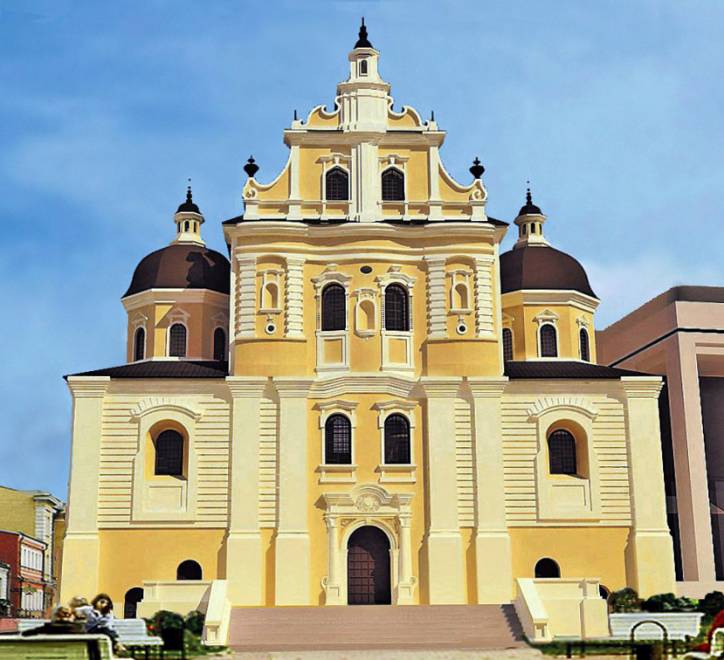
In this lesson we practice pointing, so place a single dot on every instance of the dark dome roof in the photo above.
(542, 267)
(189, 206)
(181, 266)
(529, 208)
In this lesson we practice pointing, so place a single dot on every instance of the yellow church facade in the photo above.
(368, 402)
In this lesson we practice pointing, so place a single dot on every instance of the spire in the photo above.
(188, 220)
(363, 41)
(530, 223)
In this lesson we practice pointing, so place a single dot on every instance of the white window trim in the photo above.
(271, 276)
(337, 472)
(177, 316)
(509, 328)
(365, 295)
(460, 276)
(398, 162)
(329, 162)
(396, 472)
(395, 276)
(226, 340)
(332, 275)
(145, 342)
(547, 317)
(588, 344)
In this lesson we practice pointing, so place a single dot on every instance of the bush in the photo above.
(166, 620)
(625, 600)
(667, 603)
(712, 603)
(195, 622)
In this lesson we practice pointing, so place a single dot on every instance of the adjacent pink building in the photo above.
(680, 335)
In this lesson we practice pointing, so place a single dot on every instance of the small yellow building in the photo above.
(367, 403)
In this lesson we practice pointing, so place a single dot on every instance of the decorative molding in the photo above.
(546, 316)
(174, 296)
(441, 387)
(436, 317)
(642, 387)
(359, 383)
(294, 297)
(242, 387)
(484, 308)
(562, 403)
(162, 403)
(88, 387)
(245, 303)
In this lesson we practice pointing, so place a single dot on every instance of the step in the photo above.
(375, 627)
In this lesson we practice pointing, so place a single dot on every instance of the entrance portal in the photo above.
(368, 567)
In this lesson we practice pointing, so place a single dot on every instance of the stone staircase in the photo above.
(375, 627)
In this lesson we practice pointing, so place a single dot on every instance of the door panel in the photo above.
(368, 568)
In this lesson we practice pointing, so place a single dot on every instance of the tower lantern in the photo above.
(530, 223)
(188, 219)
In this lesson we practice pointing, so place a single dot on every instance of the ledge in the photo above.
(402, 474)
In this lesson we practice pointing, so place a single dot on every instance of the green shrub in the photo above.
(712, 603)
(625, 600)
(166, 620)
(667, 603)
(195, 622)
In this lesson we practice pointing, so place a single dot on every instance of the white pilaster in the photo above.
(493, 561)
(244, 559)
(406, 582)
(649, 552)
(294, 295)
(292, 551)
(245, 294)
(446, 575)
(366, 193)
(484, 308)
(333, 587)
(81, 549)
(436, 304)
(295, 206)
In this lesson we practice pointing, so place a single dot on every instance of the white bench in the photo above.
(132, 633)
(68, 647)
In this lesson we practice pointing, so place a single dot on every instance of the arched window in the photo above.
(219, 344)
(334, 308)
(169, 453)
(548, 341)
(177, 340)
(189, 570)
(547, 568)
(397, 313)
(337, 440)
(130, 602)
(562, 452)
(507, 344)
(139, 344)
(583, 344)
(363, 68)
(393, 185)
(337, 184)
(397, 440)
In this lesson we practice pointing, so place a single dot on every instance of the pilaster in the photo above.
(436, 309)
(446, 576)
(292, 548)
(244, 560)
(493, 561)
(294, 293)
(81, 555)
(245, 296)
(484, 308)
(649, 553)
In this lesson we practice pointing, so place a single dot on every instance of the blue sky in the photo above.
(612, 109)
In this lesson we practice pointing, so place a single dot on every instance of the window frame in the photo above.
(139, 328)
(509, 332)
(387, 171)
(182, 459)
(394, 285)
(326, 440)
(225, 344)
(562, 459)
(172, 325)
(583, 332)
(189, 562)
(325, 289)
(554, 329)
(336, 168)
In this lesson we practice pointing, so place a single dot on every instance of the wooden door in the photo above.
(368, 567)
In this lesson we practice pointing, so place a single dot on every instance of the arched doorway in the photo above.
(130, 602)
(368, 567)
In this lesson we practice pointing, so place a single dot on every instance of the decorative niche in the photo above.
(365, 313)
(271, 291)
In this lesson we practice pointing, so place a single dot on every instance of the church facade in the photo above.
(366, 402)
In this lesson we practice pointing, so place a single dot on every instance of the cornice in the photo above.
(487, 387)
(441, 386)
(291, 387)
(154, 404)
(560, 403)
(335, 137)
(362, 384)
(155, 296)
(88, 387)
(642, 387)
(555, 297)
(246, 386)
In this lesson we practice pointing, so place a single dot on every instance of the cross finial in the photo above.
(528, 196)
(189, 196)
(363, 41)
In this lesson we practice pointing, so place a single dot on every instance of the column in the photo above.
(245, 569)
(295, 207)
(649, 552)
(436, 304)
(446, 576)
(245, 294)
(692, 483)
(81, 549)
(294, 295)
(332, 586)
(292, 551)
(493, 561)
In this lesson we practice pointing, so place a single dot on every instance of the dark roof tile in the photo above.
(564, 369)
(163, 369)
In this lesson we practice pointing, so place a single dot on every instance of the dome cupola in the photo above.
(188, 221)
(530, 223)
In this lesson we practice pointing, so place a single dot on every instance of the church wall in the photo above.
(130, 556)
(120, 446)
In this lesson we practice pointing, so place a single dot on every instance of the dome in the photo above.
(181, 266)
(542, 267)
(189, 206)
